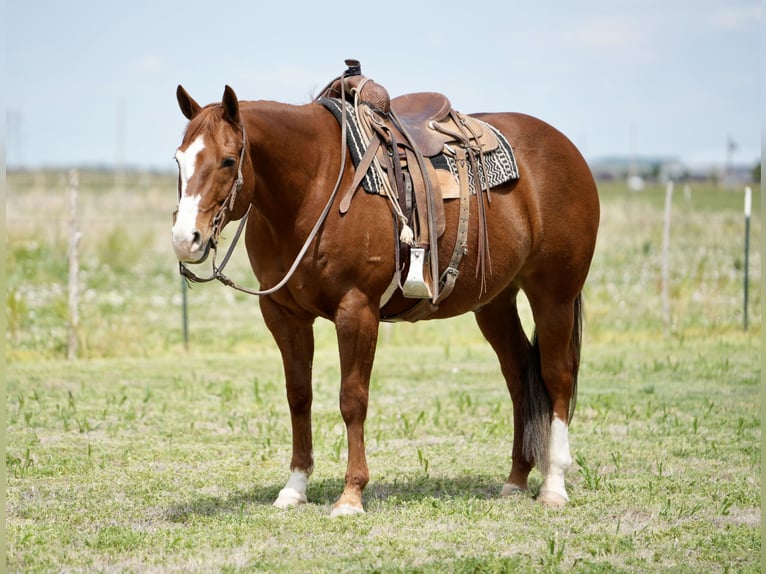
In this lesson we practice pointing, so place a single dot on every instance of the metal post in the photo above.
(748, 209)
(185, 311)
(74, 266)
(665, 257)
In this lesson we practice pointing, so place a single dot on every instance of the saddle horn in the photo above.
(354, 67)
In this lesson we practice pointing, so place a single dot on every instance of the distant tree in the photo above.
(757, 173)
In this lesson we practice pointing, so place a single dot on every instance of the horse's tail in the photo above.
(538, 409)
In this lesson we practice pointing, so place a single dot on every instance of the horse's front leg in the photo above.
(356, 325)
(295, 339)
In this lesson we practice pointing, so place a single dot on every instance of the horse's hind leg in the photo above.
(500, 324)
(551, 395)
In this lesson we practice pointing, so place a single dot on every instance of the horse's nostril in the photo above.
(196, 240)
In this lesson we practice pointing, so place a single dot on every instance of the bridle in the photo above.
(228, 207)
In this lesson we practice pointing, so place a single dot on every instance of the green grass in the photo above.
(142, 457)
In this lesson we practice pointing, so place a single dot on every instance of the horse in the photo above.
(281, 164)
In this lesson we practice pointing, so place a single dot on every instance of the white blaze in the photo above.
(187, 161)
(186, 220)
(188, 207)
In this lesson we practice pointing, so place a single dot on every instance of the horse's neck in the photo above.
(287, 149)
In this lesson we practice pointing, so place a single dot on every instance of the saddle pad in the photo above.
(373, 181)
(500, 164)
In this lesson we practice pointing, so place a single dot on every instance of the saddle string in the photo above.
(483, 260)
(218, 271)
(375, 136)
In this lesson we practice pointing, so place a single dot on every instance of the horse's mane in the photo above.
(204, 121)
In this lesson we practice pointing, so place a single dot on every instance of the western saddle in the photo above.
(403, 134)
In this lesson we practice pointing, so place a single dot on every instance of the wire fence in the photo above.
(651, 272)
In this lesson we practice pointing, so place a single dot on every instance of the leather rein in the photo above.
(228, 206)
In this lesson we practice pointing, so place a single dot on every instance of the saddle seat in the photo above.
(428, 119)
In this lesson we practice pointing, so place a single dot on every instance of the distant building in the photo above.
(638, 171)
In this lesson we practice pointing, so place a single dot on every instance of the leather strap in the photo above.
(433, 239)
(361, 171)
(421, 201)
(425, 307)
(450, 274)
(483, 257)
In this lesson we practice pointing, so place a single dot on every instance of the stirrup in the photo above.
(415, 286)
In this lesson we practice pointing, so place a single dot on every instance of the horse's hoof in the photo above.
(289, 497)
(346, 510)
(510, 489)
(552, 499)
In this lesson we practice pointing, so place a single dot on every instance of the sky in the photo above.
(92, 82)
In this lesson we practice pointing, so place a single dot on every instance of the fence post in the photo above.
(185, 311)
(665, 259)
(74, 266)
(748, 208)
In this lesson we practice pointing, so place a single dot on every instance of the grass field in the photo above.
(144, 457)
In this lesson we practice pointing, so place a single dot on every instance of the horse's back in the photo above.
(554, 178)
(545, 156)
(556, 187)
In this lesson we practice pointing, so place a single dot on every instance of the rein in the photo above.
(228, 205)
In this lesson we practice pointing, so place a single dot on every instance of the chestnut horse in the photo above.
(281, 163)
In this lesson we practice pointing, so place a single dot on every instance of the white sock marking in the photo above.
(294, 492)
(560, 456)
(560, 459)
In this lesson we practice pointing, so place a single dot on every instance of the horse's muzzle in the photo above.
(191, 247)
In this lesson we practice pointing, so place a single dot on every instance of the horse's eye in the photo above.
(228, 162)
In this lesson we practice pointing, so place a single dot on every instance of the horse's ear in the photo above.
(230, 105)
(188, 106)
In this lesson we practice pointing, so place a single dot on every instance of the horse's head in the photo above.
(213, 163)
